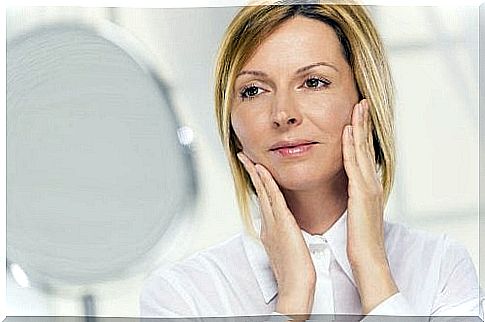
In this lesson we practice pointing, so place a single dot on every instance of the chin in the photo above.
(308, 178)
(297, 182)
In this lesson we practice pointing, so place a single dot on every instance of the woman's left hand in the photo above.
(365, 223)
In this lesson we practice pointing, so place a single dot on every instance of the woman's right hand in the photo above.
(281, 236)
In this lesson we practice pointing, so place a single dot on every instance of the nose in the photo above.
(286, 113)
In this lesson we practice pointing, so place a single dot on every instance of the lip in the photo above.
(292, 148)
(290, 144)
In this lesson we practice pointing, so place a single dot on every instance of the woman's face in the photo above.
(292, 101)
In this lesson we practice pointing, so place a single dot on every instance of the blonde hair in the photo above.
(363, 50)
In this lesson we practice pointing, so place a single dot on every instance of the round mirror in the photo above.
(98, 166)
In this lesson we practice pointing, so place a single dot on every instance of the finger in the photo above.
(277, 199)
(264, 202)
(370, 144)
(350, 158)
(365, 115)
(361, 146)
(370, 140)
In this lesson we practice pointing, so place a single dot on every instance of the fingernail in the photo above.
(361, 111)
(239, 156)
(366, 105)
(349, 131)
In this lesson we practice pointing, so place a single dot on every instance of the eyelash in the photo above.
(325, 82)
(244, 96)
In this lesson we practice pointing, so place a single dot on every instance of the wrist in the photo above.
(362, 258)
(295, 302)
(370, 303)
(375, 284)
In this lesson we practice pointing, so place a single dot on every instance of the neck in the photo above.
(318, 208)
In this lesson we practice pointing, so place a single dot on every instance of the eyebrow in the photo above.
(299, 70)
(252, 72)
(304, 69)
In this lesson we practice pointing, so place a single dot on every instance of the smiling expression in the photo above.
(292, 100)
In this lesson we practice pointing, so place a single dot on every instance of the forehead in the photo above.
(297, 41)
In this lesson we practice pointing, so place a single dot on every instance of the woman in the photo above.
(304, 104)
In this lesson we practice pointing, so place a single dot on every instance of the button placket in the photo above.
(320, 252)
(321, 255)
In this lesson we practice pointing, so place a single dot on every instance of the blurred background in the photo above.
(114, 166)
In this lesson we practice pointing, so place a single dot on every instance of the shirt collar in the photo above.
(336, 237)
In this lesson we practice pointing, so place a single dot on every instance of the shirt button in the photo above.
(316, 248)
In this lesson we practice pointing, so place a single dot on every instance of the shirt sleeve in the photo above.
(278, 317)
(394, 305)
(459, 292)
(160, 297)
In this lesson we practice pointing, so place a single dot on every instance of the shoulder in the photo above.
(409, 246)
(400, 237)
(222, 255)
(178, 284)
(433, 271)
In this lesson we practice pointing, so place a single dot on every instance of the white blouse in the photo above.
(434, 274)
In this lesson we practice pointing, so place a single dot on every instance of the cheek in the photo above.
(249, 130)
(330, 115)
(240, 127)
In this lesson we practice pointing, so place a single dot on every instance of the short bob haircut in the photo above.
(363, 51)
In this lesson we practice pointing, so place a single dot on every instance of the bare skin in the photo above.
(286, 93)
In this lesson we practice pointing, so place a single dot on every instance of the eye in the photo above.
(316, 82)
(249, 92)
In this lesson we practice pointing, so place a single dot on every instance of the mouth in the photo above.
(292, 149)
(291, 144)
